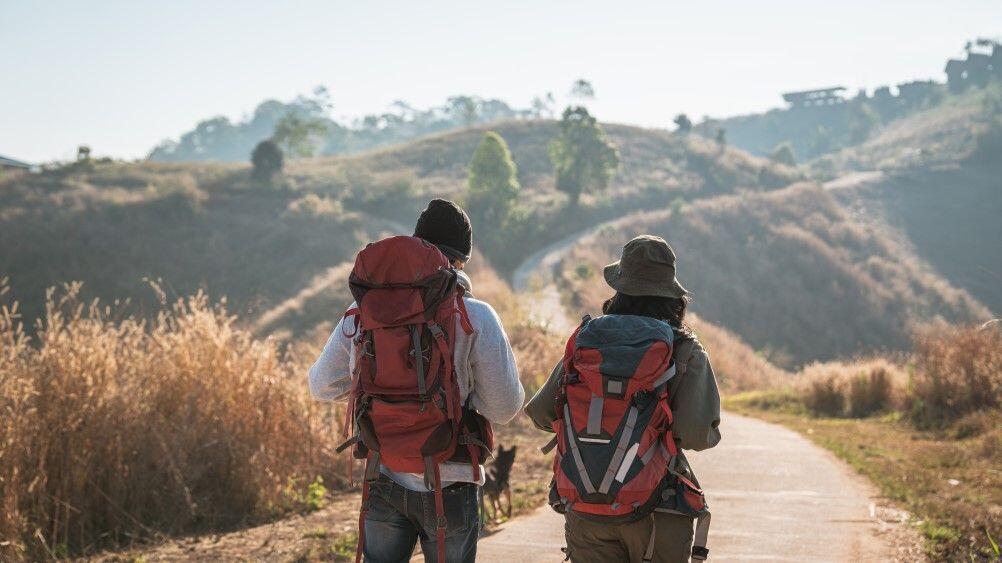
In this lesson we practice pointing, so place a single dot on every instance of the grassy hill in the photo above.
(949, 216)
(791, 272)
(111, 225)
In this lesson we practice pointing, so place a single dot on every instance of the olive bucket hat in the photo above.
(647, 267)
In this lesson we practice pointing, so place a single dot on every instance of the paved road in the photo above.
(774, 495)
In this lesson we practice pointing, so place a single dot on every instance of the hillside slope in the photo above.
(791, 272)
(950, 217)
(210, 226)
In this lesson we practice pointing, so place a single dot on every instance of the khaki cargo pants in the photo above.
(592, 542)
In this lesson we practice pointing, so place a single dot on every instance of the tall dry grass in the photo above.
(853, 389)
(953, 372)
(958, 371)
(116, 429)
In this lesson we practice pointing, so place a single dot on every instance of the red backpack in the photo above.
(616, 454)
(405, 403)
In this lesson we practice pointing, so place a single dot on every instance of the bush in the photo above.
(115, 429)
(267, 160)
(854, 390)
(958, 370)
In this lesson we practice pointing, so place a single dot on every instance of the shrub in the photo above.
(312, 206)
(115, 429)
(267, 159)
(823, 396)
(958, 370)
(856, 390)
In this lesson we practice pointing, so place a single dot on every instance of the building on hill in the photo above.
(983, 62)
(814, 98)
(12, 164)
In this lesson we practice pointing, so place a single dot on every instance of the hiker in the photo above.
(634, 389)
(413, 300)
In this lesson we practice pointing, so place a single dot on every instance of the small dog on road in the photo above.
(498, 484)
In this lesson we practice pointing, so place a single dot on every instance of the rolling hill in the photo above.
(209, 226)
(791, 272)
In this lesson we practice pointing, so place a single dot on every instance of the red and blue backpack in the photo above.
(616, 455)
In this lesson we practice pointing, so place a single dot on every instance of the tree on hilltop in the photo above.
(493, 182)
(684, 123)
(299, 134)
(267, 160)
(582, 89)
(583, 157)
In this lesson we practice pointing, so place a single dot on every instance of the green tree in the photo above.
(583, 158)
(783, 154)
(299, 134)
(684, 123)
(493, 181)
(267, 160)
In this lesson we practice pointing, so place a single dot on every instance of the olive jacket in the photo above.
(695, 403)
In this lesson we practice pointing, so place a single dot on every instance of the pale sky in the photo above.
(123, 75)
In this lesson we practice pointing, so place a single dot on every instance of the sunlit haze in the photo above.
(122, 76)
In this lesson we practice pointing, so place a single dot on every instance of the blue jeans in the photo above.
(398, 517)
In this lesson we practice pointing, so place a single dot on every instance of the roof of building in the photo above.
(954, 63)
(10, 162)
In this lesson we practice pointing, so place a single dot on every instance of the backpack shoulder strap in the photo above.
(572, 344)
(682, 354)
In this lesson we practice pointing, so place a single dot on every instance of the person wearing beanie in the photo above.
(397, 517)
(445, 224)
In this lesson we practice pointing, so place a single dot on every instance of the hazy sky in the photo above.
(123, 75)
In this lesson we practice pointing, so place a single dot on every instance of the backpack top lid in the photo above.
(627, 345)
(398, 260)
(400, 280)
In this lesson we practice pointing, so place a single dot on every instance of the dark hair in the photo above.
(668, 309)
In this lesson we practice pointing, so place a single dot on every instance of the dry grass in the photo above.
(118, 429)
(958, 371)
(853, 389)
(115, 429)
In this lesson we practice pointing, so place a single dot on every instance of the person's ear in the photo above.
(458, 264)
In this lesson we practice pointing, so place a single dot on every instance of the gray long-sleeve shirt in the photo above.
(485, 371)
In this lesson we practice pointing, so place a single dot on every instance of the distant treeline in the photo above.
(221, 140)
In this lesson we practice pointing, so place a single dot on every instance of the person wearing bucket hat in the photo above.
(646, 284)
(647, 268)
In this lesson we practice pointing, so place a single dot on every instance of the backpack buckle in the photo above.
(436, 330)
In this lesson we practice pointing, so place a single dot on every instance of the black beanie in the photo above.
(446, 225)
